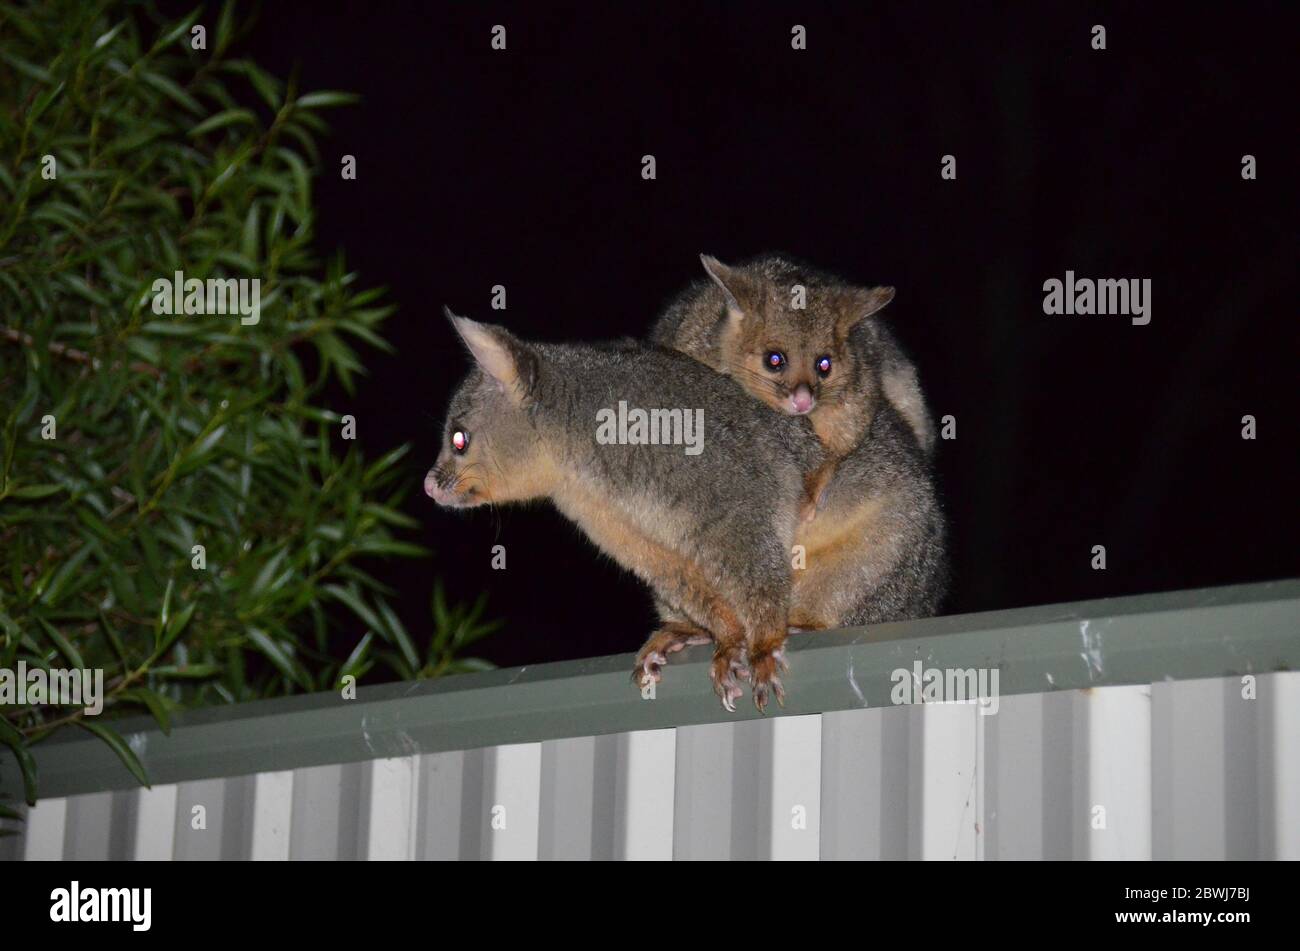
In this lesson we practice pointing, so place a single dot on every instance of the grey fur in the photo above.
(731, 511)
(910, 581)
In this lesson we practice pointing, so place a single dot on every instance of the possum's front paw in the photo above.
(669, 639)
(727, 671)
(649, 668)
(765, 667)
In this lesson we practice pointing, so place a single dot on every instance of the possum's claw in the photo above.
(653, 657)
(766, 667)
(649, 668)
(761, 691)
(726, 672)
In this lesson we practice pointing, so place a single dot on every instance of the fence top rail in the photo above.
(1211, 632)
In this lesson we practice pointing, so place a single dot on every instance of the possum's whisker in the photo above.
(460, 477)
(760, 381)
(491, 503)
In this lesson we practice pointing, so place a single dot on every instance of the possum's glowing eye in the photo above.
(775, 360)
(460, 440)
(824, 366)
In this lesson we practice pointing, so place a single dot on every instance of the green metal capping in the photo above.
(1173, 636)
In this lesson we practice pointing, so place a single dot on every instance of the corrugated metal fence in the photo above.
(1207, 767)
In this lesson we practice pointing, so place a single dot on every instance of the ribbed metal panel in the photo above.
(1193, 769)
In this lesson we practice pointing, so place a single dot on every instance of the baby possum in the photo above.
(713, 548)
(798, 360)
(872, 532)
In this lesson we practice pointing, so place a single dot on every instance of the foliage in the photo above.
(172, 432)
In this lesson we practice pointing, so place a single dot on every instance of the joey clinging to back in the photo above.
(800, 341)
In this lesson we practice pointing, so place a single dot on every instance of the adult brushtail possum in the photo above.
(809, 345)
(560, 422)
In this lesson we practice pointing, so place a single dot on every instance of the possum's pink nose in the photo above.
(431, 486)
(801, 400)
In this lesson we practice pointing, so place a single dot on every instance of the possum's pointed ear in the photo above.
(859, 303)
(507, 360)
(733, 284)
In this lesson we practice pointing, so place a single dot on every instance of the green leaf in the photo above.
(181, 28)
(326, 98)
(155, 704)
(115, 640)
(187, 672)
(267, 86)
(276, 655)
(164, 615)
(263, 581)
(301, 176)
(385, 462)
(390, 516)
(438, 605)
(11, 738)
(249, 243)
(175, 626)
(196, 457)
(42, 103)
(108, 37)
(34, 491)
(118, 746)
(357, 659)
(223, 119)
(172, 90)
(399, 634)
(30, 70)
(225, 27)
(358, 607)
(389, 547)
(51, 593)
(62, 643)
(164, 329)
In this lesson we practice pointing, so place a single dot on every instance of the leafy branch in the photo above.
(179, 505)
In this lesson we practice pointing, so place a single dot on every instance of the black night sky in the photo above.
(522, 168)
